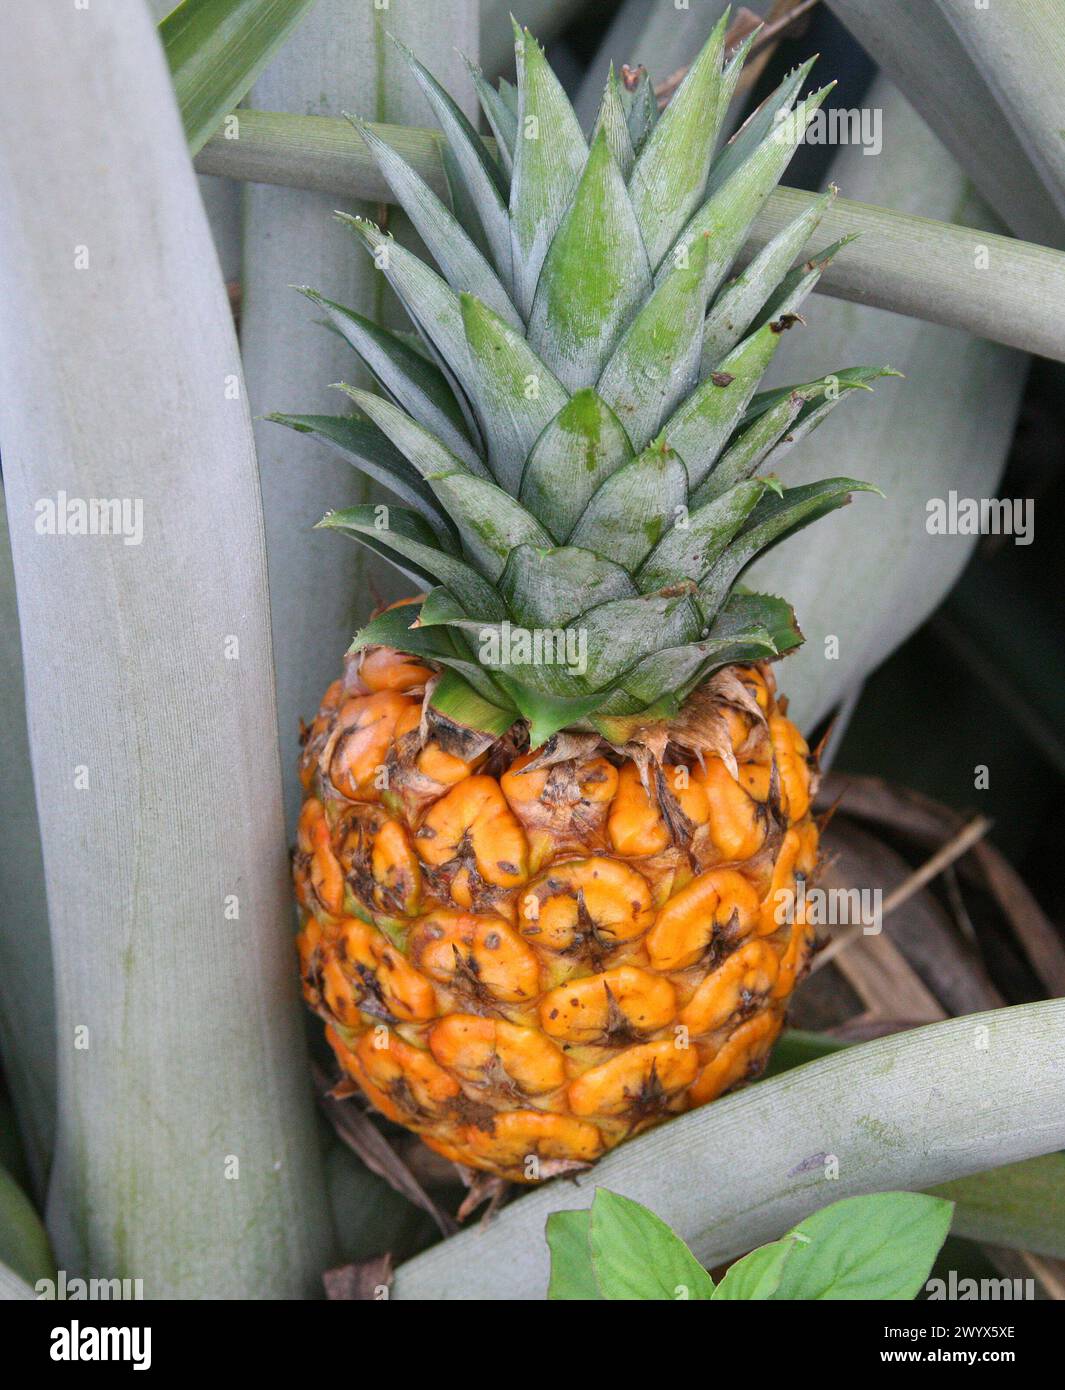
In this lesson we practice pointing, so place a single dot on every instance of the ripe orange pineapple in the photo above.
(555, 809)
(526, 957)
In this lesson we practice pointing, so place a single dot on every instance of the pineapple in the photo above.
(554, 805)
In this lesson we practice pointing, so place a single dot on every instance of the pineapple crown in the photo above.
(574, 430)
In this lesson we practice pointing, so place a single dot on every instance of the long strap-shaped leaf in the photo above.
(216, 49)
(490, 521)
(757, 126)
(501, 118)
(426, 453)
(612, 123)
(896, 1112)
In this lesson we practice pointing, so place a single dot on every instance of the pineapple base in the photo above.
(527, 959)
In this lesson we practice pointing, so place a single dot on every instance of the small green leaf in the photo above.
(396, 528)
(548, 160)
(576, 453)
(490, 522)
(636, 1256)
(735, 308)
(726, 216)
(501, 118)
(881, 1246)
(594, 275)
(420, 446)
(749, 451)
(617, 635)
(613, 123)
(674, 670)
(757, 1275)
(216, 49)
(572, 1276)
(775, 518)
(758, 125)
(456, 699)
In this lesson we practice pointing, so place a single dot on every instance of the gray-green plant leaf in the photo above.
(699, 537)
(576, 453)
(550, 588)
(634, 507)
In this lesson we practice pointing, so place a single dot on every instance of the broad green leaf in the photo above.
(456, 699)
(748, 451)
(880, 1246)
(613, 124)
(699, 537)
(594, 275)
(419, 579)
(636, 1256)
(702, 423)
(502, 119)
(619, 634)
(734, 310)
(548, 160)
(671, 169)
(757, 1276)
(376, 456)
(463, 265)
(409, 377)
(726, 216)
(550, 588)
(424, 450)
(757, 126)
(572, 1275)
(484, 183)
(656, 363)
(576, 453)
(216, 49)
(774, 518)
(634, 508)
(394, 527)
(514, 392)
(490, 522)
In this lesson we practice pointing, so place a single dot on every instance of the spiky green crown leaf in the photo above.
(574, 432)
